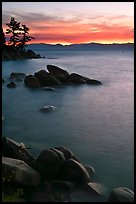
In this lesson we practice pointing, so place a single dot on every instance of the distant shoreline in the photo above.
(87, 46)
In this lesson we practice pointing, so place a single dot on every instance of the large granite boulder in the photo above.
(48, 164)
(31, 81)
(75, 172)
(13, 149)
(17, 171)
(121, 194)
(57, 71)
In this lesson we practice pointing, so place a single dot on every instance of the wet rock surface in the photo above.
(54, 176)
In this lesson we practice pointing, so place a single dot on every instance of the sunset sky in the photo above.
(73, 22)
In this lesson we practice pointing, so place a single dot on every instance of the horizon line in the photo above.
(80, 43)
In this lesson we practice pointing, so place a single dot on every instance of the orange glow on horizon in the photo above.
(77, 32)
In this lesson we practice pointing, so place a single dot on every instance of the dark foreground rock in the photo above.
(13, 149)
(55, 175)
(121, 194)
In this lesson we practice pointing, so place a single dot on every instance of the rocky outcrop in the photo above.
(54, 176)
(58, 76)
(11, 53)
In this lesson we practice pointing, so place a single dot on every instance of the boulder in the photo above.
(121, 194)
(31, 81)
(17, 171)
(13, 149)
(75, 172)
(48, 164)
(17, 76)
(40, 76)
(11, 85)
(57, 71)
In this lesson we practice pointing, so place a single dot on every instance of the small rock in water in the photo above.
(2, 118)
(48, 108)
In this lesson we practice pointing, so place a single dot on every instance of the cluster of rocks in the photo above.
(48, 79)
(56, 76)
(56, 175)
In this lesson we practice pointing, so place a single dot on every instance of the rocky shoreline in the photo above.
(9, 53)
(56, 175)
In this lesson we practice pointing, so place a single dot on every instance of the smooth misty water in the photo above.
(95, 122)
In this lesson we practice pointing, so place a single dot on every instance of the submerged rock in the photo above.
(11, 85)
(48, 108)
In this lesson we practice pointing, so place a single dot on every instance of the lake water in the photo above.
(95, 122)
